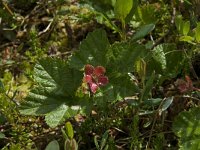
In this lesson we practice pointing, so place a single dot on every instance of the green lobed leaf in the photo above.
(143, 31)
(119, 86)
(55, 75)
(174, 59)
(123, 54)
(92, 50)
(122, 8)
(54, 94)
(53, 145)
(187, 127)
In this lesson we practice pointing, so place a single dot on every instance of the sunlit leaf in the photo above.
(186, 27)
(69, 130)
(179, 22)
(188, 39)
(197, 32)
(123, 8)
(54, 94)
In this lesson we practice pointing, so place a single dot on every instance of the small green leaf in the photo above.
(179, 23)
(53, 145)
(167, 102)
(106, 147)
(187, 127)
(153, 101)
(143, 31)
(159, 56)
(188, 39)
(197, 32)
(64, 134)
(104, 140)
(186, 27)
(96, 142)
(129, 17)
(2, 135)
(69, 130)
(123, 8)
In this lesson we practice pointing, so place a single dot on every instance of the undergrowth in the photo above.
(99, 75)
